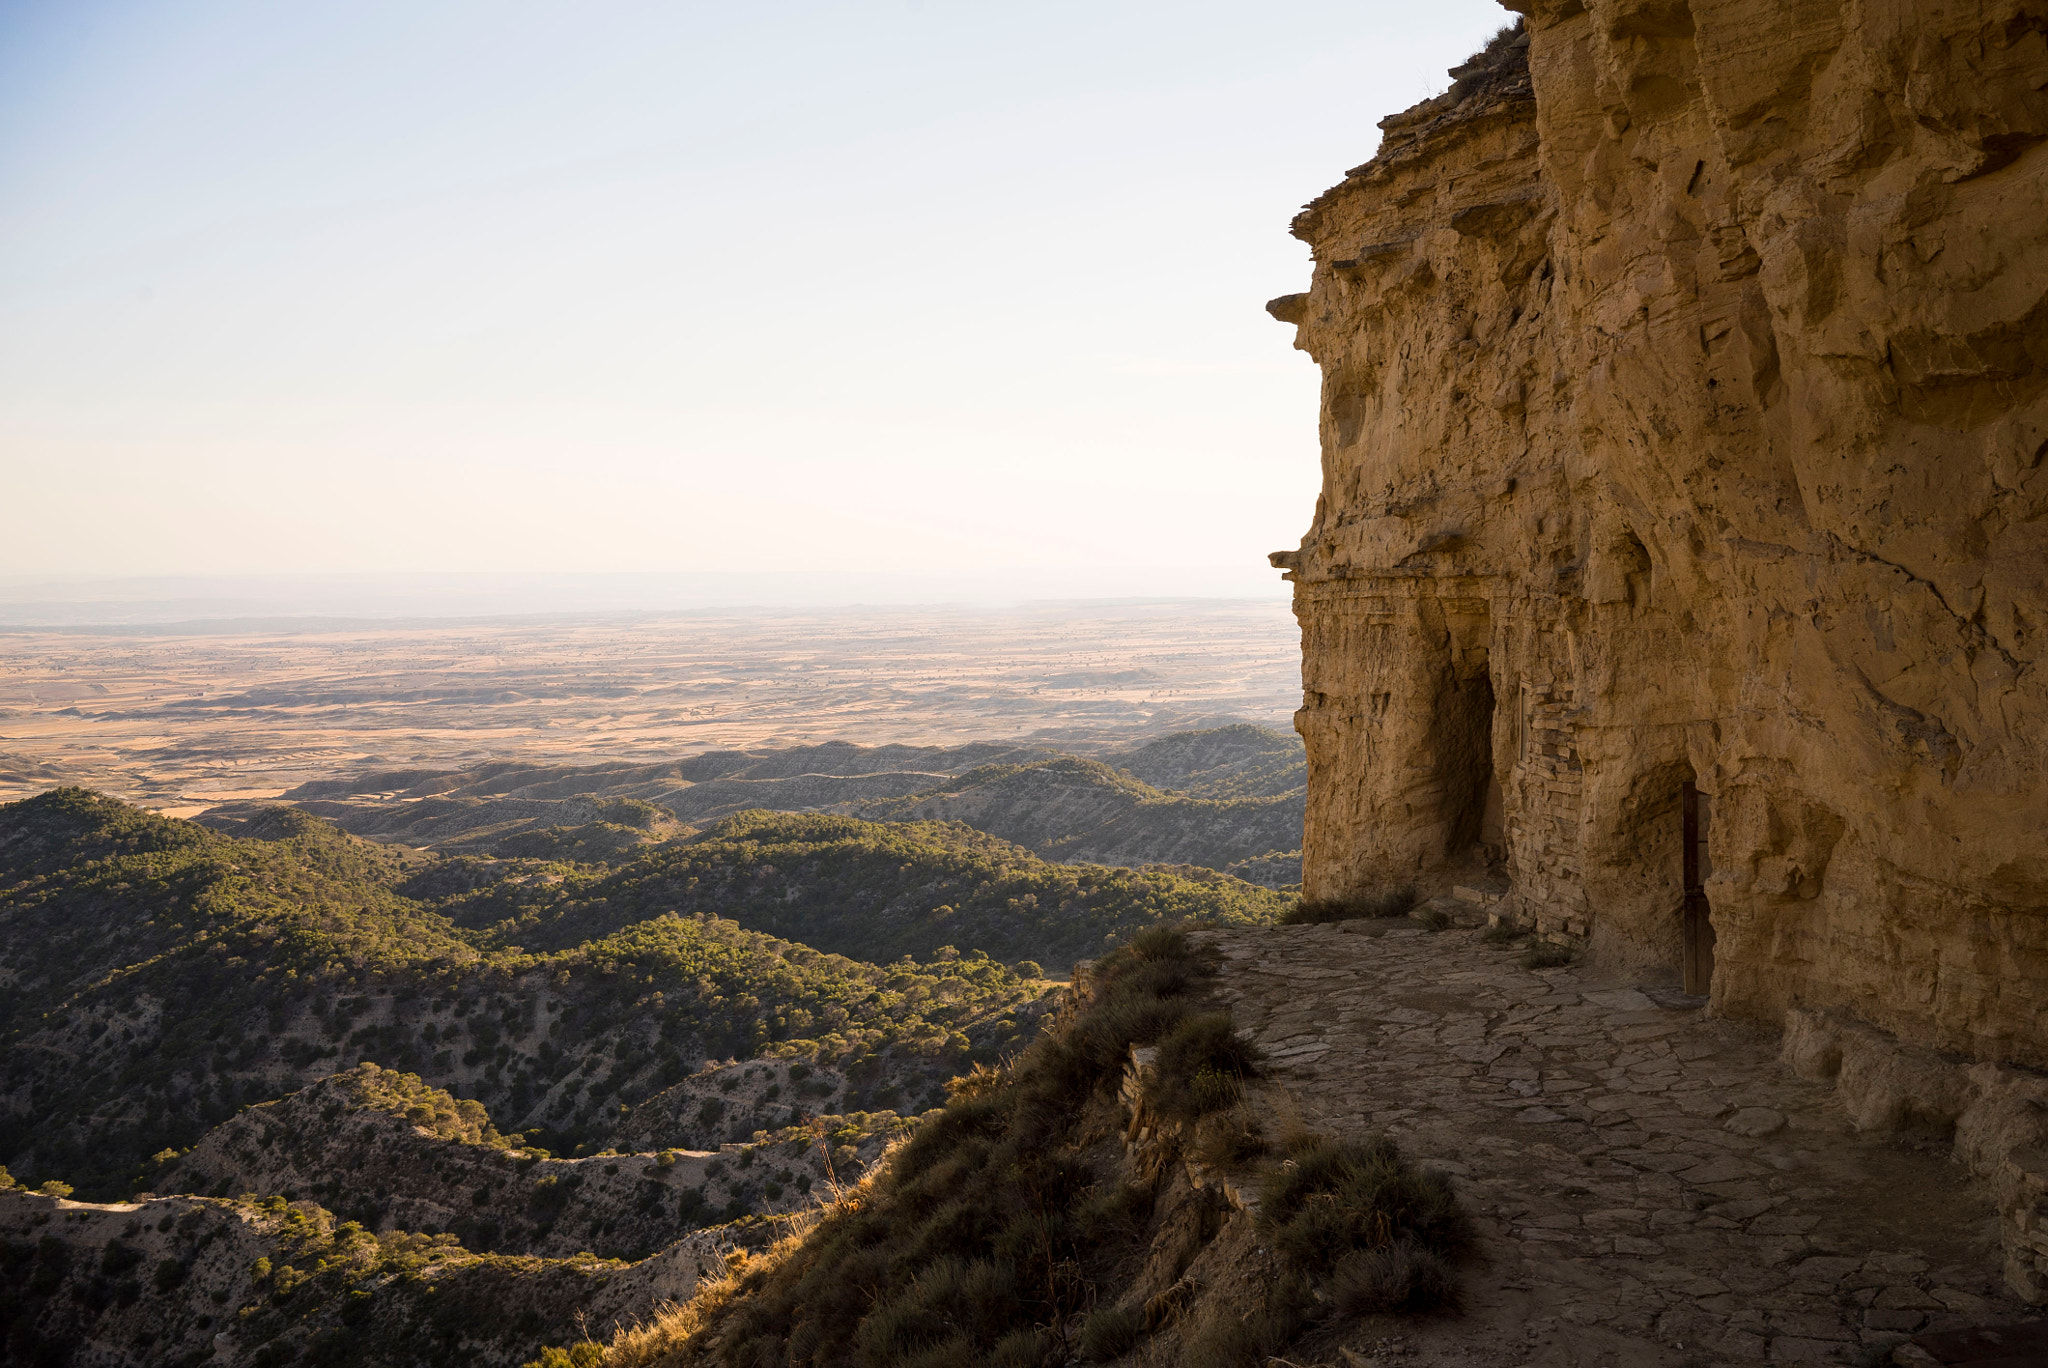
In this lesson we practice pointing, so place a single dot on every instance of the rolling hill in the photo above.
(1229, 798)
(162, 975)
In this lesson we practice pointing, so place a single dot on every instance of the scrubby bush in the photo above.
(1222, 1337)
(1228, 1139)
(1329, 1199)
(1401, 1276)
(1202, 1066)
(586, 1354)
(1395, 902)
(1110, 1333)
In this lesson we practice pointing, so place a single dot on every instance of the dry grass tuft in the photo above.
(1395, 902)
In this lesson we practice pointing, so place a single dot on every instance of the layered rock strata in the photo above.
(1682, 552)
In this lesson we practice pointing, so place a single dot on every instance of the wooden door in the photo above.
(1699, 924)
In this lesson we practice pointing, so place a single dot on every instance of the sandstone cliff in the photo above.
(1682, 552)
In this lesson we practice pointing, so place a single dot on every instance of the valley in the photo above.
(561, 1037)
(179, 717)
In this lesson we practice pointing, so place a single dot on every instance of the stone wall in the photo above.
(1685, 421)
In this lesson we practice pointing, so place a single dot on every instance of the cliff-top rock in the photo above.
(1682, 554)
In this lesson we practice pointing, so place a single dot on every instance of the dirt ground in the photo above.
(180, 721)
(1651, 1187)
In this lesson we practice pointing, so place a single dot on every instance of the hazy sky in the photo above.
(907, 286)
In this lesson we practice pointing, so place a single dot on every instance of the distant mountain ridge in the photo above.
(1229, 798)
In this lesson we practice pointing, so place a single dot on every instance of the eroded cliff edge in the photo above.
(1682, 555)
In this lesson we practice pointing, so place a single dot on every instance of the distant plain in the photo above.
(179, 718)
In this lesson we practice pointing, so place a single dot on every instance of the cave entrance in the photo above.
(1697, 810)
(1465, 752)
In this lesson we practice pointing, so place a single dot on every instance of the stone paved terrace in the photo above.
(1650, 1186)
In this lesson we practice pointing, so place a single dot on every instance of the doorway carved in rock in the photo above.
(1696, 812)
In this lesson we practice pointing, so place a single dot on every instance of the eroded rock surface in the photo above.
(1651, 1186)
(1684, 417)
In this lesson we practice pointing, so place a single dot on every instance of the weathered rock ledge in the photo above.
(1682, 554)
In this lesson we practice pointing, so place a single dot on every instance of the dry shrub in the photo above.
(1228, 1139)
(1027, 1349)
(1435, 918)
(1110, 1333)
(1202, 1066)
(1331, 1198)
(1394, 902)
(1221, 1337)
(1402, 1276)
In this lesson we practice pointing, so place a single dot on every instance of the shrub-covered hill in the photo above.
(389, 1151)
(1078, 809)
(1213, 798)
(1126, 1190)
(1240, 761)
(515, 808)
(187, 1280)
(873, 890)
(161, 975)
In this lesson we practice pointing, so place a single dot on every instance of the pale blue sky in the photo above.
(895, 287)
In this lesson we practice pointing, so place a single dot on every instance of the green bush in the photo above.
(117, 1258)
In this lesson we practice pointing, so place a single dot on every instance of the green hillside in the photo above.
(1077, 809)
(163, 975)
(1225, 798)
(873, 890)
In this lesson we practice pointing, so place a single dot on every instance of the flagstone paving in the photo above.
(1649, 1184)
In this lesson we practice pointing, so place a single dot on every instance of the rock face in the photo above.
(1682, 552)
